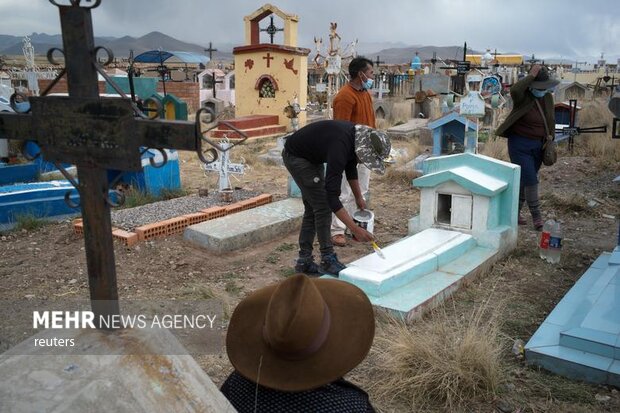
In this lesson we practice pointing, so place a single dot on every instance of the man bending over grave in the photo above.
(354, 103)
(341, 145)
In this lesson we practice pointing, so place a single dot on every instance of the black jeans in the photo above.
(317, 218)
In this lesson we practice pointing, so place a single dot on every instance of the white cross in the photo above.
(224, 167)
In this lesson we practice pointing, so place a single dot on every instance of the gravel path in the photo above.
(130, 218)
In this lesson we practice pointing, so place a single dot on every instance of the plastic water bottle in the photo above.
(555, 244)
(543, 247)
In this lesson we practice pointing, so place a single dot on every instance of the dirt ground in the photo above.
(49, 263)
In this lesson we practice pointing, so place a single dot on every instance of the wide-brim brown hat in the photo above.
(543, 80)
(301, 333)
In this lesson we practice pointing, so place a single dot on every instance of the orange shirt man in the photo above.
(354, 103)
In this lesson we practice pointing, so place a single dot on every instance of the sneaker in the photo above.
(521, 220)
(538, 224)
(307, 266)
(330, 265)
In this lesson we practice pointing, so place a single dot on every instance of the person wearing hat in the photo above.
(341, 145)
(526, 127)
(354, 103)
(291, 343)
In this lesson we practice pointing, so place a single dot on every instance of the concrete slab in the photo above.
(413, 127)
(245, 228)
(430, 290)
(426, 291)
(406, 260)
(124, 382)
(580, 338)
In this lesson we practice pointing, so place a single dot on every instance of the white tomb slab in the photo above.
(406, 260)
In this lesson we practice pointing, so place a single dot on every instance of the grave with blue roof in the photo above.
(449, 133)
(467, 220)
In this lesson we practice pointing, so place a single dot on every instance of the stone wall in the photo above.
(188, 92)
(61, 86)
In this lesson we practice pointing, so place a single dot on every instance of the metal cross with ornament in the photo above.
(96, 134)
(571, 130)
(224, 167)
(271, 31)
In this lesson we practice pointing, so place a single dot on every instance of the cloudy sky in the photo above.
(571, 29)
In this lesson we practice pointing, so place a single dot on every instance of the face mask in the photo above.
(538, 93)
(22, 107)
(367, 84)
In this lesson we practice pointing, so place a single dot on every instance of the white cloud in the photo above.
(550, 27)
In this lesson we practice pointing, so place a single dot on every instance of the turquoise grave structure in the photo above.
(449, 133)
(580, 338)
(468, 219)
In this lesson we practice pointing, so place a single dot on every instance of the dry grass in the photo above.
(599, 146)
(398, 173)
(382, 124)
(496, 147)
(399, 176)
(566, 202)
(440, 362)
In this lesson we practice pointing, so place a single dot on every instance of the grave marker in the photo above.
(572, 130)
(224, 167)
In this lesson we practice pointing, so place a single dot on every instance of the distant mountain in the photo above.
(405, 54)
(388, 52)
(121, 47)
(369, 49)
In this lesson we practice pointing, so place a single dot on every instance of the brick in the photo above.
(196, 218)
(126, 237)
(263, 199)
(176, 225)
(78, 227)
(247, 204)
(232, 208)
(214, 212)
(157, 229)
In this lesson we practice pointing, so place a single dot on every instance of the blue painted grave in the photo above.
(449, 133)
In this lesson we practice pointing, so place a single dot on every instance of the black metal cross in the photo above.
(210, 50)
(377, 62)
(571, 131)
(272, 29)
(95, 134)
(214, 82)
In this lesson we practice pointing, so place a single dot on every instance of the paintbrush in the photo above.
(377, 249)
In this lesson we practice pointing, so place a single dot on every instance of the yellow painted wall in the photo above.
(585, 78)
(247, 97)
(503, 59)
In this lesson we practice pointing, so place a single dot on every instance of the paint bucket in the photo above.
(226, 195)
(365, 219)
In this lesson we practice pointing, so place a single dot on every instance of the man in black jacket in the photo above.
(340, 145)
